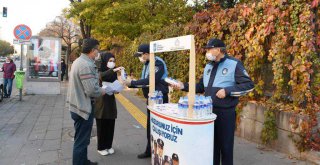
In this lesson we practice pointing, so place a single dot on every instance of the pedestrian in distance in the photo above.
(8, 69)
(63, 69)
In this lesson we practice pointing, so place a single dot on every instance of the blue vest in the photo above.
(146, 70)
(224, 76)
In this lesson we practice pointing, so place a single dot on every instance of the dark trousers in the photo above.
(7, 84)
(62, 74)
(105, 132)
(224, 127)
(81, 138)
(148, 148)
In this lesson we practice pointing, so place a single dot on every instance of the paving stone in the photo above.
(46, 157)
(50, 145)
(51, 135)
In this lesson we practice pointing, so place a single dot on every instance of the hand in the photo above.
(221, 94)
(103, 92)
(179, 85)
(127, 82)
(118, 69)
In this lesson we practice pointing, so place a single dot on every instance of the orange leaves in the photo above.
(249, 33)
(246, 11)
(269, 29)
(315, 3)
(270, 18)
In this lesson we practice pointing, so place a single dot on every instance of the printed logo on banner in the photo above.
(177, 43)
(177, 46)
(155, 47)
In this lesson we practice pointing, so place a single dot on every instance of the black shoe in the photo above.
(92, 163)
(144, 155)
(5, 96)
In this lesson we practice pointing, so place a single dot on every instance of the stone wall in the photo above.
(251, 124)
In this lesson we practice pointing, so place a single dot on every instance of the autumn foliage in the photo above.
(277, 40)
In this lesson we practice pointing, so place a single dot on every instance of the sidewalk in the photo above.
(39, 130)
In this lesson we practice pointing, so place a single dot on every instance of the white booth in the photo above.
(188, 138)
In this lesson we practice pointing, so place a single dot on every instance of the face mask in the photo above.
(210, 57)
(97, 57)
(111, 65)
(7, 62)
(142, 60)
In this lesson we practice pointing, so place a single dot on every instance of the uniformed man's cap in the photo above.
(160, 143)
(215, 43)
(142, 49)
(175, 157)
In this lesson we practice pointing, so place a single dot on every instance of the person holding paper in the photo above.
(82, 91)
(106, 107)
(224, 79)
(161, 85)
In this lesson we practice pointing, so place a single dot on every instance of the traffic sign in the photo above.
(22, 32)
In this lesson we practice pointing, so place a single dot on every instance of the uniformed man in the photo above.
(160, 84)
(224, 79)
(158, 160)
(175, 159)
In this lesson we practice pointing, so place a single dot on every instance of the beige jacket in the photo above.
(83, 86)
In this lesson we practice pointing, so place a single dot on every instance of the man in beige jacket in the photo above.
(83, 88)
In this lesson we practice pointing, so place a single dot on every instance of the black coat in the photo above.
(105, 106)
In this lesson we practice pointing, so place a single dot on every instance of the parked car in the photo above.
(1, 89)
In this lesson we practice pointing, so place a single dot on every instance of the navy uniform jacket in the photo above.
(161, 74)
(229, 74)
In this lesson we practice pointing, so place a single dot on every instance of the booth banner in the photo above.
(171, 44)
(183, 142)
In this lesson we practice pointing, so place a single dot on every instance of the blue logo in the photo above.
(224, 71)
(154, 47)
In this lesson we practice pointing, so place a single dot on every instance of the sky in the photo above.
(33, 13)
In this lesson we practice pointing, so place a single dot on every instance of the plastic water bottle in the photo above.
(152, 99)
(209, 104)
(156, 97)
(160, 97)
(123, 75)
(196, 110)
(203, 107)
(180, 107)
(185, 106)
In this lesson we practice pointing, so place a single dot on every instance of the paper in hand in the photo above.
(112, 88)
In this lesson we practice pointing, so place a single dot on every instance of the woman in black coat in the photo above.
(105, 106)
